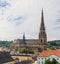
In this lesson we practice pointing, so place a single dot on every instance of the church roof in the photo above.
(26, 40)
(49, 52)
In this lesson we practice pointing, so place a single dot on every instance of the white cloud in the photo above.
(31, 10)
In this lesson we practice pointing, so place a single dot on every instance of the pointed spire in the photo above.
(24, 38)
(42, 32)
(42, 21)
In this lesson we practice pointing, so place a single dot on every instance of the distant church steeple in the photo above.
(24, 42)
(42, 34)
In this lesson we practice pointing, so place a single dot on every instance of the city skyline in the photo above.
(24, 16)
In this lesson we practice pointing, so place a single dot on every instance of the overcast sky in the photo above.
(24, 16)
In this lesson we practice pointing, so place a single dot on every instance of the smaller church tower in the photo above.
(42, 34)
(24, 42)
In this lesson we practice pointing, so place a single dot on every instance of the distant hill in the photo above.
(5, 43)
(55, 44)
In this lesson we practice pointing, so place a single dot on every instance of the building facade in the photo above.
(48, 54)
(35, 45)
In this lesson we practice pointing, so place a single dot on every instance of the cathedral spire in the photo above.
(42, 21)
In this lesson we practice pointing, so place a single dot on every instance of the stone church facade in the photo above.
(35, 45)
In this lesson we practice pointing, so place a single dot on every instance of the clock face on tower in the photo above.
(4, 4)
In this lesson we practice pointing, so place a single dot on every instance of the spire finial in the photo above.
(42, 9)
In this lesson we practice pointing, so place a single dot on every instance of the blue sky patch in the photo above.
(4, 4)
(16, 19)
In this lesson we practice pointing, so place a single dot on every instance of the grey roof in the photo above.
(26, 40)
(5, 57)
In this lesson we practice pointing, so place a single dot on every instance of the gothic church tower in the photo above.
(42, 34)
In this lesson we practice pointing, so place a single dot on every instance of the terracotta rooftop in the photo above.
(49, 52)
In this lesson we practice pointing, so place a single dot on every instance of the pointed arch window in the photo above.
(41, 40)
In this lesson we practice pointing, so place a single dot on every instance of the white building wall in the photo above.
(41, 60)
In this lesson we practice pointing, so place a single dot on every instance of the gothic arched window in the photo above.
(41, 40)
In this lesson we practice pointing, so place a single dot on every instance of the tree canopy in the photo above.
(48, 61)
(25, 50)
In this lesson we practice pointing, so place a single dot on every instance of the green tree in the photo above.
(25, 50)
(47, 62)
(54, 61)
(51, 62)
(52, 48)
(58, 63)
(58, 43)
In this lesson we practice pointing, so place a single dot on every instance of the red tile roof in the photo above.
(49, 52)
